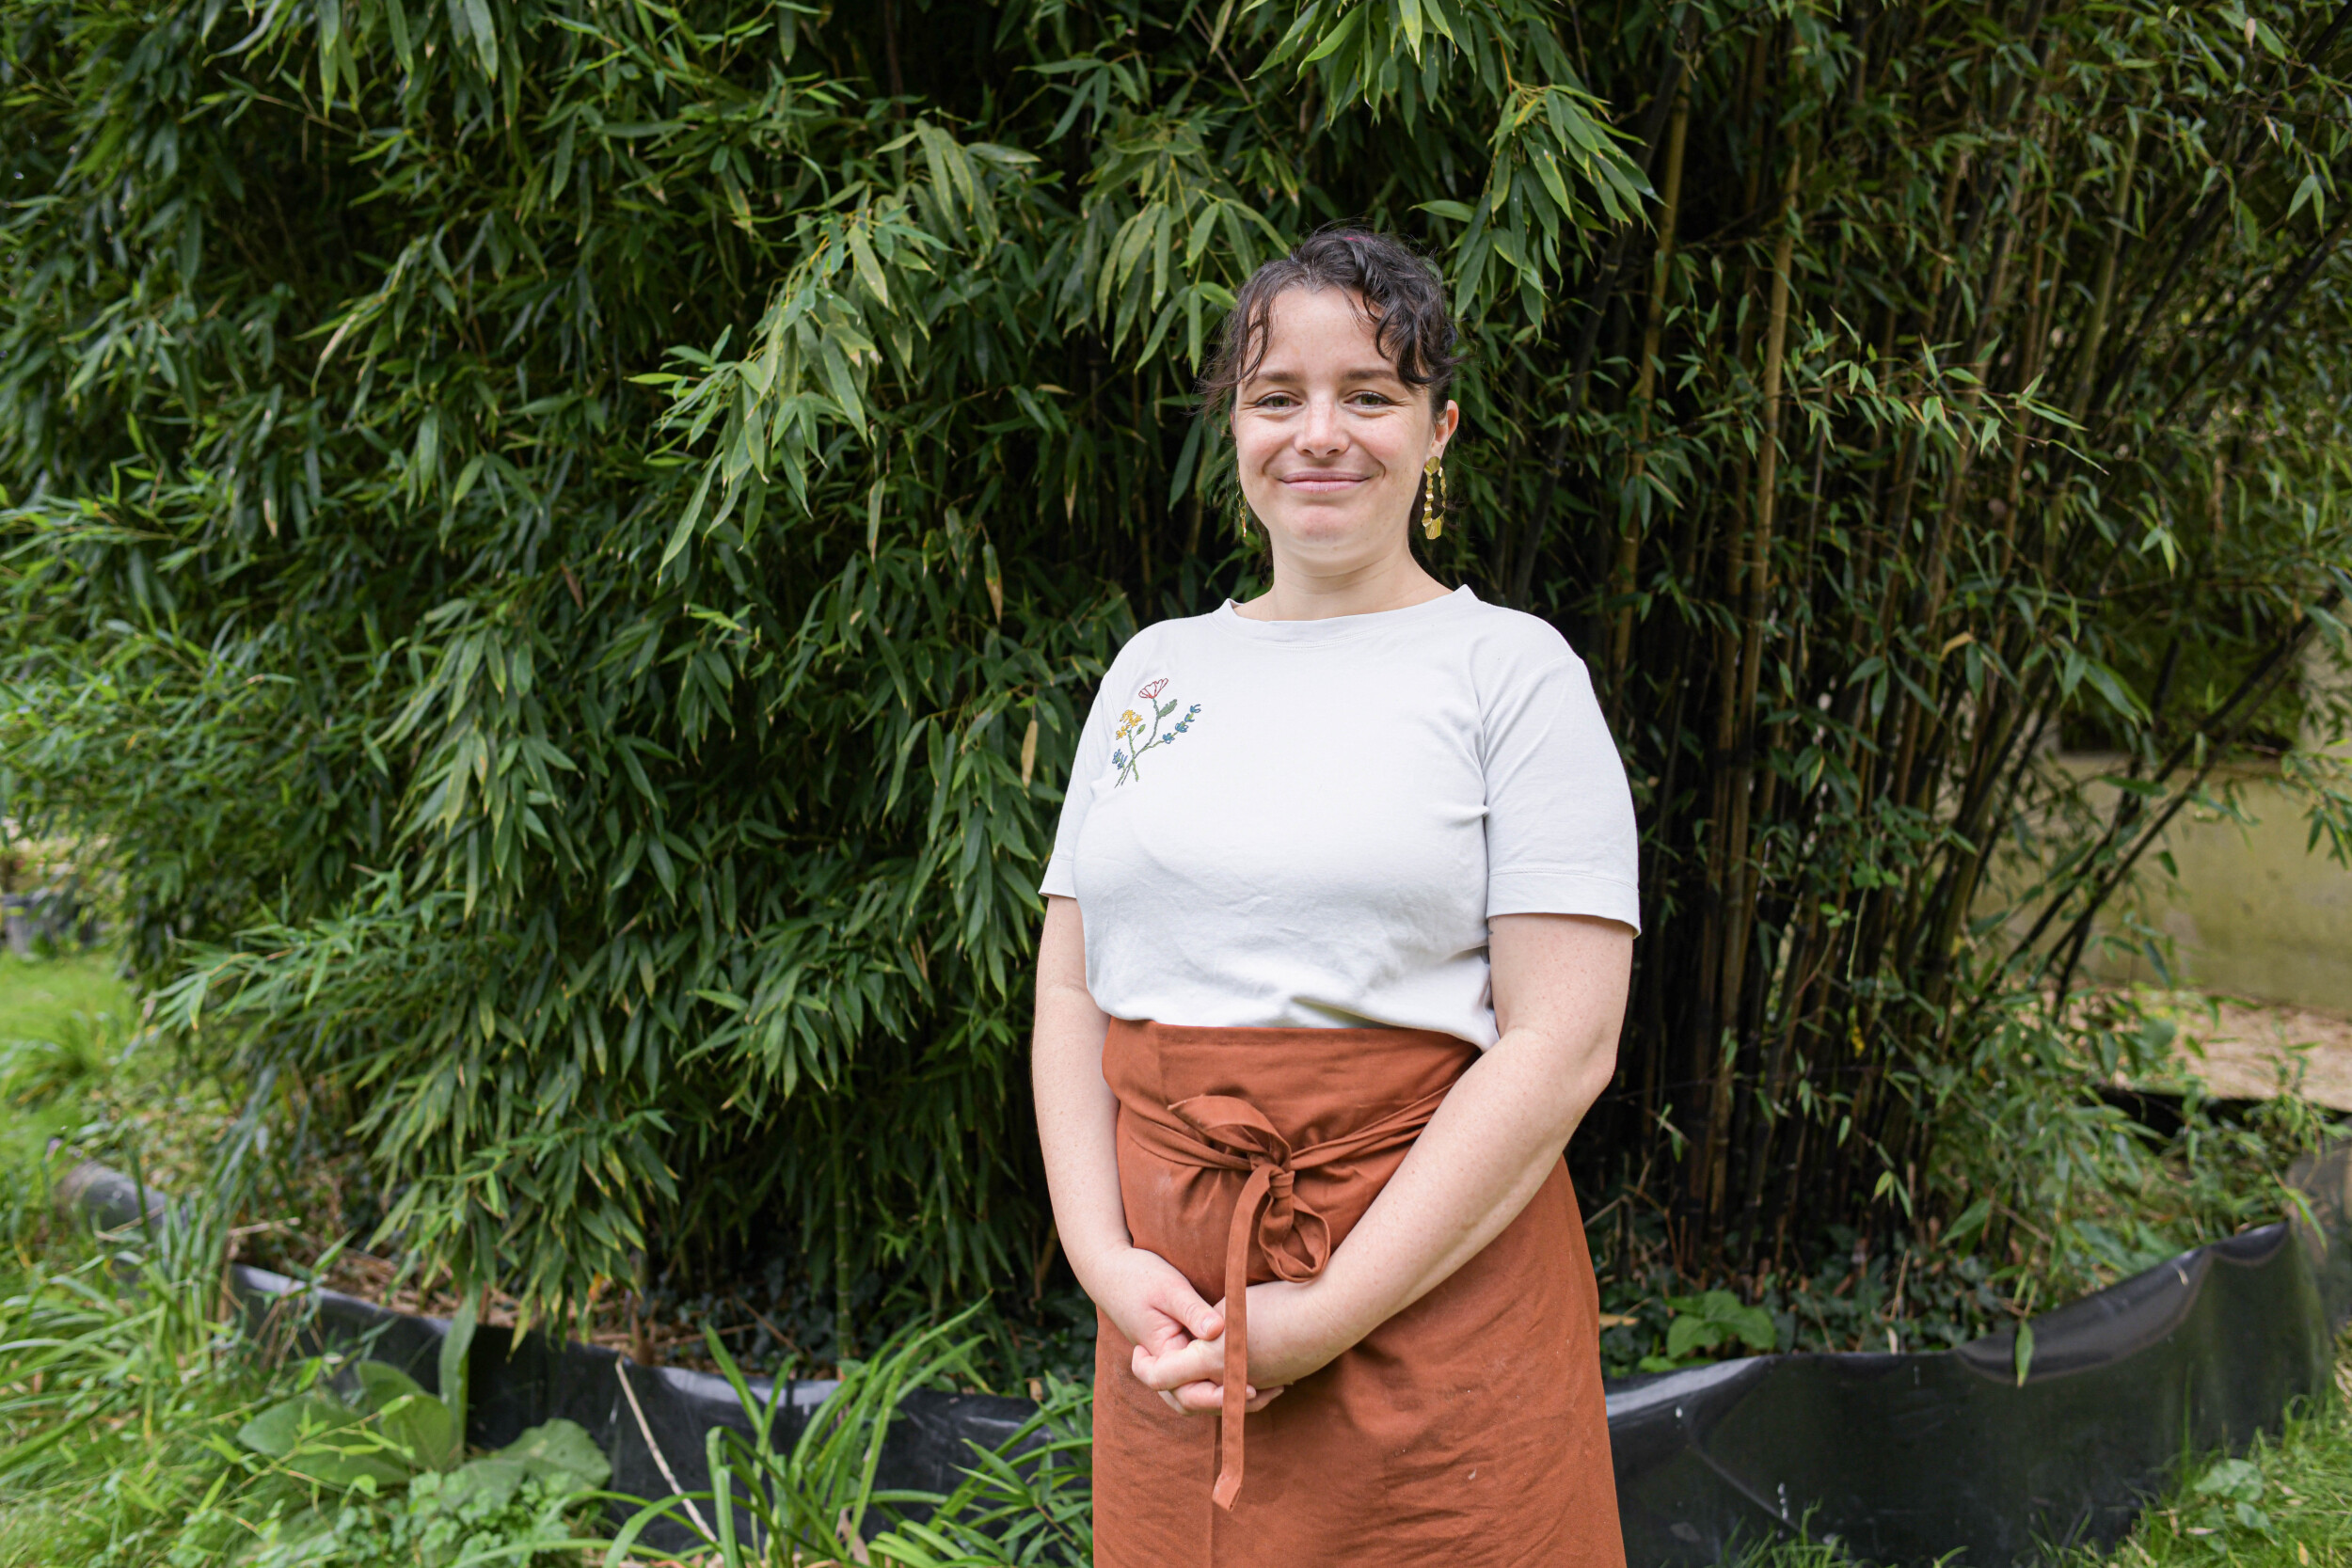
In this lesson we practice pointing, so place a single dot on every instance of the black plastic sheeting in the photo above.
(517, 1385)
(1904, 1458)
(1901, 1458)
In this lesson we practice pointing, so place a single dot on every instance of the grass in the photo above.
(2286, 1503)
(60, 1019)
(40, 997)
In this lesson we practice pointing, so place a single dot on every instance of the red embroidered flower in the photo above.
(1149, 692)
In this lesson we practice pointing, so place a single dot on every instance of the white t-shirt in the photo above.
(1287, 823)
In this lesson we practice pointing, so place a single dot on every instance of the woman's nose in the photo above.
(1322, 431)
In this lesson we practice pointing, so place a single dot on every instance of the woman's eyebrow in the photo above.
(1362, 372)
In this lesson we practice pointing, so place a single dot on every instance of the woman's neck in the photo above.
(1307, 592)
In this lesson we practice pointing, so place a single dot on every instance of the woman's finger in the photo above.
(1187, 1363)
(1162, 1334)
(1202, 1397)
(1184, 1304)
(1207, 1397)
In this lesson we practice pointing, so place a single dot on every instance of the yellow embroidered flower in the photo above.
(1128, 721)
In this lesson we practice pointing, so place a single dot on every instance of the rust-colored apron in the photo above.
(1468, 1430)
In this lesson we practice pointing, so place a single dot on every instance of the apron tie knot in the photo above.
(1225, 1132)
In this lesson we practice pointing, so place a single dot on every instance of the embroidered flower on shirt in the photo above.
(1135, 731)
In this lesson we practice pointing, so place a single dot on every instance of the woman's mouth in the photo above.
(1323, 483)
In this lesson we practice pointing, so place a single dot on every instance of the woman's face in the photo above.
(1330, 439)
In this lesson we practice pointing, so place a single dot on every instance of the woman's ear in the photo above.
(1448, 422)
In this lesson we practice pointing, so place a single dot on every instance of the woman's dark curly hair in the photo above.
(1401, 291)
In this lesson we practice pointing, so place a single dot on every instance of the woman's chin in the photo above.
(1325, 533)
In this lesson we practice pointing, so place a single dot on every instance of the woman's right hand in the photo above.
(1152, 1301)
(1156, 1308)
(1145, 1296)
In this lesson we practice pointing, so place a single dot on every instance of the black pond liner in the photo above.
(1901, 1458)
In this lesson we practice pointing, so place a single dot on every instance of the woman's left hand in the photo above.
(1289, 1338)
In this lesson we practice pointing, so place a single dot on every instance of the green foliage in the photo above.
(38, 1071)
(645, 835)
(389, 1428)
(466, 1517)
(119, 1447)
(44, 999)
(515, 1502)
(1026, 1501)
(2237, 1485)
(2065, 1193)
(563, 545)
(1709, 1322)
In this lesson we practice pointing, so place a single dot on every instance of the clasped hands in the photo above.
(1180, 1338)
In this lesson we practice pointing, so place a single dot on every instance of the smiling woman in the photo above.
(1323, 992)
(1340, 417)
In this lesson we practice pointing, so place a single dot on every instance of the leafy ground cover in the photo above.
(141, 1428)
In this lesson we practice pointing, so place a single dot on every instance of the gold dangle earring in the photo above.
(1433, 498)
(1241, 507)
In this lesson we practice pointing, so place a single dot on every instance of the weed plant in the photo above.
(137, 1421)
(142, 1425)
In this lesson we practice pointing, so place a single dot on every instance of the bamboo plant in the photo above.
(561, 544)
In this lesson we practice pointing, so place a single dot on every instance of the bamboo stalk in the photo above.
(1741, 877)
(2102, 294)
(1521, 564)
(1622, 575)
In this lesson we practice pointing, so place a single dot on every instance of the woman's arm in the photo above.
(1077, 1122)
(1560, 991)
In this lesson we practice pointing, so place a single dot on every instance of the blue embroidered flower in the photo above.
(1119, 759)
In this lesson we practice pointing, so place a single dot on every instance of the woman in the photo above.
(1338, 921)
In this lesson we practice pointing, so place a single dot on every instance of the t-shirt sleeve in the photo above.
(1094, 744)
(1560, 831)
